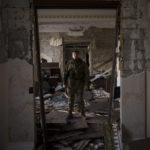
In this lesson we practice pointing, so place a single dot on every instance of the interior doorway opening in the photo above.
(97, 46)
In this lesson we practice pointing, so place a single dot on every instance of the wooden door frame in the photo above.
(74, 4)
(84, 4)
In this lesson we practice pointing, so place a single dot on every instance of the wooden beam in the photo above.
(76, 4)
(114, 65)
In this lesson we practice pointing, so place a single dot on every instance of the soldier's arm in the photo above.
(86, 72)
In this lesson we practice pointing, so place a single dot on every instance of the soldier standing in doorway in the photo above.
(76, 78)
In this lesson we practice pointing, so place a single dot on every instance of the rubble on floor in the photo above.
(100, 93)
(78, 133)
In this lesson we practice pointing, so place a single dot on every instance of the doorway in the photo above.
(98, 52)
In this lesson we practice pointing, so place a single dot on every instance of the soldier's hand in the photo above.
(64, 86)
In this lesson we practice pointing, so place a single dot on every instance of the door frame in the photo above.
(74, 4)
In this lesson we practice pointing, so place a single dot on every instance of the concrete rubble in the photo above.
(104, 74)
(100, 93)
(78, 133)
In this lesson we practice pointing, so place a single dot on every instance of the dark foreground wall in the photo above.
(16, 105)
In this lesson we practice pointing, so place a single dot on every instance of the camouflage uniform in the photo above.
(75, 78)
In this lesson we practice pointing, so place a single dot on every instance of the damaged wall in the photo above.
(16, 59)
(103, 47)
(136, 39)
(103, 41)
(20, 71)
(49, 51)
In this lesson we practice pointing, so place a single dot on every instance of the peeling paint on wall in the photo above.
(15, 30)
(102, 51)
(136, 39)
(18, 44)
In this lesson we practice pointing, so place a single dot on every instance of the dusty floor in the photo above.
(77, 133)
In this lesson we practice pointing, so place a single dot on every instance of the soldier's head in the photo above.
(75, 54)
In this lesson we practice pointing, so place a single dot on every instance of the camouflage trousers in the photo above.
(78, 93)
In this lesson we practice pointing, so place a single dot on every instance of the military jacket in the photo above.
(76, 72)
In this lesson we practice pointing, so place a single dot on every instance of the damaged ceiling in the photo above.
(94, 27)
(76, 22)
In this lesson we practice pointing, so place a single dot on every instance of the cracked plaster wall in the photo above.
(103, 47)
(49, 52)
(104, 40)
(136, 39)
(15, 61)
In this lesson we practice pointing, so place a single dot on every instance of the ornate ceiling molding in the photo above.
(76, 16)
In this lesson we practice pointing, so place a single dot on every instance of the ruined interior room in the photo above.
(36, 41)
(93, 33)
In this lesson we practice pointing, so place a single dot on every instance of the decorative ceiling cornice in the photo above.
(76, 3)
(76, 16)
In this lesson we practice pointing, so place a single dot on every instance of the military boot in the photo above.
(70, 115)
(83, 114)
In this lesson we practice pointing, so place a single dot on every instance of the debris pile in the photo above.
(100, 93)
(78, 133)
(75, 134)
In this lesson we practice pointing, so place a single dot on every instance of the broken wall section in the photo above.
(50, 51)
(136, 45)
(103, 43)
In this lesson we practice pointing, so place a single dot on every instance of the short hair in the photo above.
(75, 51)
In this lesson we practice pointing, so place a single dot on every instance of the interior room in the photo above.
(93, 33)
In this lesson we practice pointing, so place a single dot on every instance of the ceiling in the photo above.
(75, 21)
